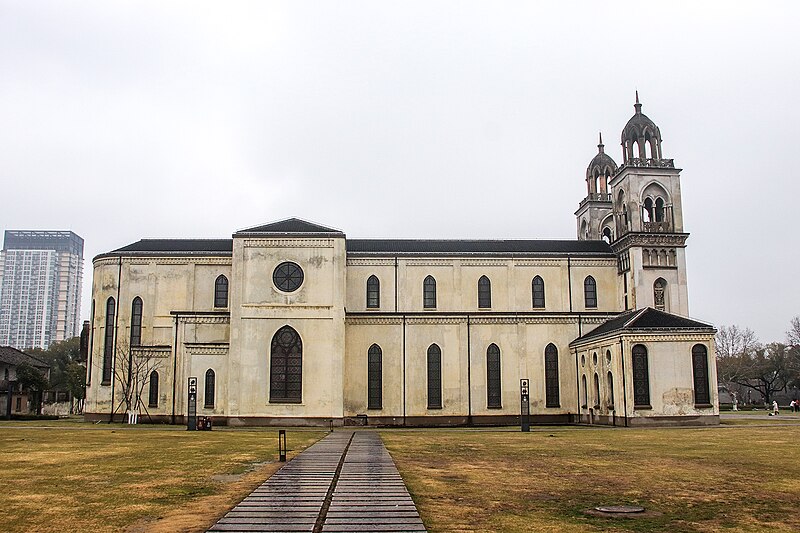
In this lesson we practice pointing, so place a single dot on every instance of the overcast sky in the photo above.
(129, 120)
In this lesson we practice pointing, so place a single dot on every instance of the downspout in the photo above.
(174, 368)
(114, 351)
(569, 280)
(395, 285)
(624, 393)
(469, 376)
(404, 370)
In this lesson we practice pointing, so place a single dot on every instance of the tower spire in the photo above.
(601, 145)
(637, 106)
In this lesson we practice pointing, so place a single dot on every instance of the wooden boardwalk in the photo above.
(347, 482)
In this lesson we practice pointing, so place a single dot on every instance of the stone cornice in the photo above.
(377, 261)
(206, 348)
(298, 242)
(677, 240)
(151, 351)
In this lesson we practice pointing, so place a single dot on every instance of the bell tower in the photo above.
(594, 216)
(649, 239)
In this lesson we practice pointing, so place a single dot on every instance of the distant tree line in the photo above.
(67, 374)
(745, 364)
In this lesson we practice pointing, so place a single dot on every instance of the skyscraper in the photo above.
(41, 273)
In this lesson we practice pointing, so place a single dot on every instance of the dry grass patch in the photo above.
(729, 478)
(109, 478)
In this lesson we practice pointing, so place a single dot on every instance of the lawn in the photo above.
(83, 477)
(729, 478)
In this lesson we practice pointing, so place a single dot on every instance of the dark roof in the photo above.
(645, 320)
(15, 357)
(475, 247)
(179, 245)
(291, 225)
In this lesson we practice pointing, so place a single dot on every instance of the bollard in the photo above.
(282, 445)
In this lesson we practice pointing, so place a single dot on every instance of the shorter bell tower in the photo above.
(594, 214)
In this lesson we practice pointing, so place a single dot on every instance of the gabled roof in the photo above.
(179, 245)
(647, 320)
(291, 225)
(475, 247)
(12, 356)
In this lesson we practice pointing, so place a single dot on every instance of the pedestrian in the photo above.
(791, 406)
(775, 407)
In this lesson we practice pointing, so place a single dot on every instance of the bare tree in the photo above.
(793, 351)
(764, 370)
(734, 347)
(132, 369)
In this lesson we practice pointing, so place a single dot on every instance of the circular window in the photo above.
(594, 358)
(288, 277)
(583, 360)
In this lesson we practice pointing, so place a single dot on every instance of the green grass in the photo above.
(737, 478)
(84, 477)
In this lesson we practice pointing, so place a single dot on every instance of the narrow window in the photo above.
(136, 322)
(221, 292)
(538, 292)
(659, 299)
(584, 393)
(702, 394)
(590, 292)
(429, 293)
(607, 235)
(641, 377)
(108, 347)
(551, 376)
(434, 377)
(484, 293)
(153, 396)
(596, 391)
(208, 399)
(610, 391)
(493, 393)
(373, 293)
(659, 210)
(647, 213)
(286, 367)
(374, 377)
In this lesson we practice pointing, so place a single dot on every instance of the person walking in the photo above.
(775, 407)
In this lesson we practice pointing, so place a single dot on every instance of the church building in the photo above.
(293, 323)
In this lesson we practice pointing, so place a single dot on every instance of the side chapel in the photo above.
(292, 323)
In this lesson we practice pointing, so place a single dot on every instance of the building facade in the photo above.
(293, 323)
(41, 277)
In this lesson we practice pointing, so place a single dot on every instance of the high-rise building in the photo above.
(41, 273)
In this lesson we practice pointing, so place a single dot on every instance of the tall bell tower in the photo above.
(648, 238)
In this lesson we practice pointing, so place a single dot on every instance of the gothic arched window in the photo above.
(210, 389)
(607, 235)
(551, 376)
(610, 391)
(590, 292)
(659, 210)
(537, 288)
(429, 293)
(373, 292)
(647, 213)
(434, 377)
(596, 390)
(702, 394)
(641, 377)
(374, 377)
(108, 346)
(136, 322)
(153, 396)
(493, 391)
(221, 292)
(286, 367)
(584, 392)
(659, 294)
(484, 293)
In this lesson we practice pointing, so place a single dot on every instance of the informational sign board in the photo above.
(191, 423)
(524, 405)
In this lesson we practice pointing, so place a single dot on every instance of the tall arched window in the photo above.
(153, 396)
(641, 377)
(373, 292)
(108, 346)
(659, 210)
(484, 293)
(537, 288)
(610, 391)
(136, 322)
(429, 293)
(596, 390)
(208, 397)
(221, 291)
(647, 212)
(286, 367)
(493, 392)
(434, 377)
(659, 294)
(702, 394)
(551, 376)
(584, 392)
(590, 292)
(374, 377)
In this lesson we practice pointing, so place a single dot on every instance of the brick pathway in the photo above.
(345, 482)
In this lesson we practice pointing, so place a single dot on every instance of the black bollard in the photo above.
(282, 445)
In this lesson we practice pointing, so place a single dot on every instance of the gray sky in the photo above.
(127, 120)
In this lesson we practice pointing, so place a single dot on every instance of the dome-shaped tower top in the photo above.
(600, 170)
(641, 138)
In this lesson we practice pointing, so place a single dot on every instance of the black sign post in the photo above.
(191, 423)
(524, 405)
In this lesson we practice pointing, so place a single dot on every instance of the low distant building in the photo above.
(10, 359)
